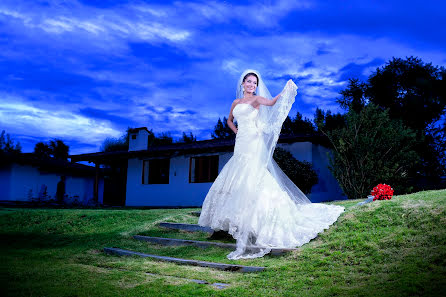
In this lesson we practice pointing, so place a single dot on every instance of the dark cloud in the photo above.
(355, 70)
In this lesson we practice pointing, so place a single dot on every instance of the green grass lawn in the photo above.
(384, 248)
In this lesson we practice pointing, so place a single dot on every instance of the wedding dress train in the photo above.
(247, 201)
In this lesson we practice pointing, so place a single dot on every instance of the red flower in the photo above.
(382, 192)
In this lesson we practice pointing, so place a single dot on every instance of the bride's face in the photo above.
(250, 84)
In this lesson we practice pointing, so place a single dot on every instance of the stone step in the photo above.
(202, 244)
(186, 227)
(220, 266)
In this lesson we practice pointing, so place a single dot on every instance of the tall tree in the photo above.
(353, 97)
(222, 130)
(325, 121)
(188, 138)
(297, 125)
(59, 149)
(42, 149)
(414, 92)
(55, 148)
(7, 143)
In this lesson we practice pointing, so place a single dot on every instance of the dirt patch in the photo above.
(92, 268)
(411, 204)
(146, 226)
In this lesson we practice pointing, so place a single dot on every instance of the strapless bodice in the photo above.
(245, 114)
(247, 140)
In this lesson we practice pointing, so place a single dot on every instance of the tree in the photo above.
(297, 125)
(372, 148)
(353, 97)
(59, 149)
(111, 144)
(163, 139)
(326, 121)
(302, 174)
(42, 150)
(7, 144)
(222, 130)
(55, 148)
(414, 92)
(188, 138)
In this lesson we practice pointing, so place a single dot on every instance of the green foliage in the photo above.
(54, 148)
(302, 174)
(222, 130)
(7, 144)
(372, 149)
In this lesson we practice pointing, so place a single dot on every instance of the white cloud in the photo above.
(256, 14)
(20, 117)
(98, 25)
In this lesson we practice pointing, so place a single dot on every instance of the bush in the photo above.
(300, 173)
(370, 150)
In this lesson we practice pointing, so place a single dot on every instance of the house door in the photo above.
(115, 182)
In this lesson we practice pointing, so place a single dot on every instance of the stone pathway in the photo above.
(186, 227)
(220, 266)
(197, 243)
(201, 244)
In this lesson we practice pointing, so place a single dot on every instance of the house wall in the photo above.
(179, 192)
(5, 182)
(26, 183)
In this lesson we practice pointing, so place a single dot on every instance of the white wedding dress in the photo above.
(247, 201)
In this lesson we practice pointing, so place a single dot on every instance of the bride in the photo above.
(252, 198)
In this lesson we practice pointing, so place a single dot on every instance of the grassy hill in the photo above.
(385, 248)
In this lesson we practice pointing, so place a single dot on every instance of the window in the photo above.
(203, 169)
(155, 171)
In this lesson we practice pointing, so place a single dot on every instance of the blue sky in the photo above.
(83, 71)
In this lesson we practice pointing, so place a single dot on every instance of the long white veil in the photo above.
(269, 123)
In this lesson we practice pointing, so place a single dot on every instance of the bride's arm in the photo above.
(230, 120)
(264, 101)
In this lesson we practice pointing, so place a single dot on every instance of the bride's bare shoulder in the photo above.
(236, 101)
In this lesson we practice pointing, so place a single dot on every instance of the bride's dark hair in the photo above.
(249, 74)
(253, 74)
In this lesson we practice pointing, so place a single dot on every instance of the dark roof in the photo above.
(45, 163)
(175, 149)
(133, 130)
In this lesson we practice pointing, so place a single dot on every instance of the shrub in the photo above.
(300, 173)
(370, 150)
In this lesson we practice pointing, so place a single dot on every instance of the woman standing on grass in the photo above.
(252, 199)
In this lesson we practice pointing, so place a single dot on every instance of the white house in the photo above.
(180, 174)
(25, 177)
